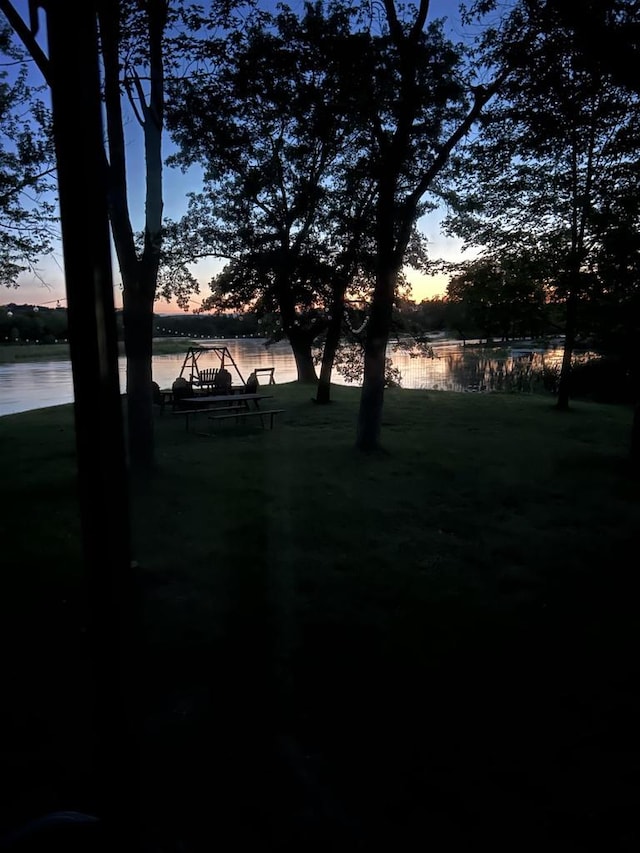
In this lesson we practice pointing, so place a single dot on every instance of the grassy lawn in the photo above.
(434, 647)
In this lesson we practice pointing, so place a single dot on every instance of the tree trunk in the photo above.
(112, 675)
(139, 276)
(634, 454)
(635, 441)
(334, 328)
(138, 332)
(301, 341)
(562, 403)
(372, 396)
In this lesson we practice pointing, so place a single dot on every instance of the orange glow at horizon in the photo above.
(422, 287)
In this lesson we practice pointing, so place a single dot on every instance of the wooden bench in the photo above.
(247, 413)
(204, 410)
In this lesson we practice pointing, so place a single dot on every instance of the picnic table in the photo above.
(223, 406)
(166, 396)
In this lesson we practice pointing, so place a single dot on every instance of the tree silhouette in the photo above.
(409, 77)
(27, 170)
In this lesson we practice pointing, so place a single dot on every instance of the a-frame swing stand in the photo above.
(198, 376)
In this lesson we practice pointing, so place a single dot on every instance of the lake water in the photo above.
(35, 385)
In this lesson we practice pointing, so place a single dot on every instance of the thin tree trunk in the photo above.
(139, 276)
(323, 394)
(372, 396)
(562, 403)
(388, 263)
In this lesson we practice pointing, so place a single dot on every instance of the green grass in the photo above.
(433, 644)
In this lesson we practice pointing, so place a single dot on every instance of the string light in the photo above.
(357, 331)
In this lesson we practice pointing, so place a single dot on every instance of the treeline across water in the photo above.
(29, 324)
(40, 324)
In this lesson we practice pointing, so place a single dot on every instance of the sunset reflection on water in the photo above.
(33, 385)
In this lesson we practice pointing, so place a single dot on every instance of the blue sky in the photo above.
(48, 287)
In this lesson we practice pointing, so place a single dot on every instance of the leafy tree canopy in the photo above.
(27, 214)
(556, 149)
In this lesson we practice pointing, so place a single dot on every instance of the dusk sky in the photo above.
(48, 287)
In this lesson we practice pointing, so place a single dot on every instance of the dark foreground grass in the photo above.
(434, 647)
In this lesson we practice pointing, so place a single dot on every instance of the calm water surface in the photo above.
(35, 385)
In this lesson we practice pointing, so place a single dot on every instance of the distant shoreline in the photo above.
(61, 352)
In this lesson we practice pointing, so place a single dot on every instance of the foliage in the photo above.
(285, 192)
(556, 150)
(210, 325)
(612, 317)
(607, 34)
(349, 363)
(545, 179)
(501, 299)
(605, 380)
(289, 188)
(30, 323)
(27, 214)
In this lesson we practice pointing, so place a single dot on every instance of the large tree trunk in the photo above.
(372, 395)
(562, 403)
(138, 335)
(111, 581)
(301, 341)
(635, 441)
(323, 394)
(634, 454)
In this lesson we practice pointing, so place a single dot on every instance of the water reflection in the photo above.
(474, 368)
(33, 385)
(525, 372)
